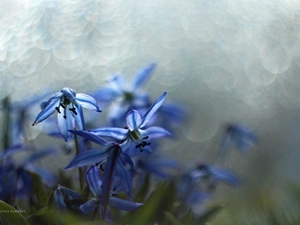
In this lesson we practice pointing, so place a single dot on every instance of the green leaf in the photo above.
(142, 193)
(40, 212)
(160, 200)
(10, 216)
(39, 189)
(208, 214)
(171, 219)
(187, 218)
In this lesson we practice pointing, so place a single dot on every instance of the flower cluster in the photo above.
(115, 162)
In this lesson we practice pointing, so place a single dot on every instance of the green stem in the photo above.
(80, 171)
(6, 123)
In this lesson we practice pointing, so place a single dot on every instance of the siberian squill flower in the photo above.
(136, 130)
(113, 157)
(96, 184)
(69, 105)
(125, 95)
(239, 136)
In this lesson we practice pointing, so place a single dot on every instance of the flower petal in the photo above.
(79, 119)
(71, 193)
(133, 120)
(87, 158)
(89, 206)
(113, 132)
(155, 132)
(87, 101)
(224, 175)
(59, 199)
(125, 177)
(65, 122)
(124, 204)
(117, 83)
(90, 137)
(105, 95)
(48, 110)
(155, 106)
(93, 180)
(142, 77)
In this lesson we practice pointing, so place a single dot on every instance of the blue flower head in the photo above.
(69, 105)
(96, 184)
(239, 136)
(125, 95)
(137, 130)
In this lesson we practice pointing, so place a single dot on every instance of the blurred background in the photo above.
(223, 61)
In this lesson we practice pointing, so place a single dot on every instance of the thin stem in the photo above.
(112, 159)
(6, 123)
(80, 171)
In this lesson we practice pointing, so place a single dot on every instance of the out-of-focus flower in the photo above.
(198, 185)
(96, 183)
(16, 179)
(240, 137)
(69, 105)
(136, 130)
(125, 95)
(63, 196)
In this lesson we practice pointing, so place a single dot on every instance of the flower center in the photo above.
(137, 137)
(65, 103)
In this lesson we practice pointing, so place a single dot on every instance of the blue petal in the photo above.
(90, 137)
(124, 204)
(65, 123)
(79, 119)
(87, 102)
(117, 83)
(113, 132)
(48, 110)
(147, 117)
(133, 120)
(142, 77)
(224, 175)
(71, 194)
(105, 95)
(108, 214)
(93, 180)
(89, 206)
(59, 199)
(87, 158)
(155, 132)
(125, 177)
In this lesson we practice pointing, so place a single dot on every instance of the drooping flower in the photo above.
(69, 105)
(136, 130)
(239, 136)
(125, 95)
(102, 200)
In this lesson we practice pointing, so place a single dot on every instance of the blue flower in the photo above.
(16, 179)
(63, 196)
(125, 95)
(241, 137)
(136, 130)
(69, 105)
(113, 151)
(212, 175)
(101, 200)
